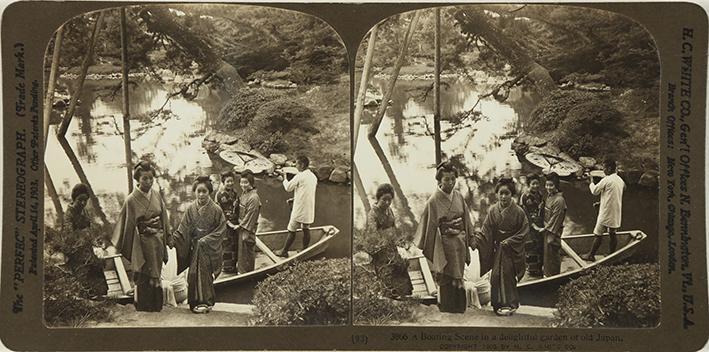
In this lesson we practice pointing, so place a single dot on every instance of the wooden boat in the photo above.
(536, 290)
(267, 262)
(247, 161)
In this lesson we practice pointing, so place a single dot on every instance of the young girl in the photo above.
(554, 213)
(228, 201)
(249, 210)
(531, 201)
(199, 244)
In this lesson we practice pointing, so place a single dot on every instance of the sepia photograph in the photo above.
(506, 166)
(197, 169)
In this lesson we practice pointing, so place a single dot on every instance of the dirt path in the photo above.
(223, 314)
(526, 316)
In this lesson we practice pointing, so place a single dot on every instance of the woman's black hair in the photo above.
(143, 166)
(78, 190)
(383, 189)
(508, 182)
(205, 181)
(445, 167)
(533, 176)
(554, 178)
(249, 176)
(227, 174)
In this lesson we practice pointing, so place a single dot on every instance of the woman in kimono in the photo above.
(390, 267)
(80, 236)
(227, 199)
(531, 201)
(443, 235)
(554, 213)
(249, 210)
(198, 240)
(139, 236)
(501, 247)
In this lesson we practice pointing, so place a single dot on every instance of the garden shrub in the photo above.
(369, 303)
(308, 293)
(553, 109)
(612, 296)
(66, 297)
(242, 108)
(589, 129)
(273, 123)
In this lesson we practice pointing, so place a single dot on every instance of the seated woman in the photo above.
(443, 233)
(198, 240)
(501, 246)
(390, 267)
(80, 234)
(139, 236)
(249, 210)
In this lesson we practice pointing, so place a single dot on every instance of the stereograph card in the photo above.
(355, 176)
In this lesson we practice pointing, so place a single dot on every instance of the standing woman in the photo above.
(554, 213)
(228, 200)
(501, 246)
(199, 245)
(249, 210)
(139, 236)
(443, 235)
(390, 267)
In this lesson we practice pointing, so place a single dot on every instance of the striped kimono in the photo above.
(198, 241)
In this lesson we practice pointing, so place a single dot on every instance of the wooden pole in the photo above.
(46, 114)
(126, 107)
(359, 187)
(394, 75)
(82, 77)
(361, 95)
(393, 180)
(52, 191)
(437, 88)
(49, 96)
(82, 177)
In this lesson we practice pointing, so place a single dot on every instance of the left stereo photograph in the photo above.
(197, 169)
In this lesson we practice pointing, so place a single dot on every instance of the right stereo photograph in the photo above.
(506, 169)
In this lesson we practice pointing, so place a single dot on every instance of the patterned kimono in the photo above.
(501, 248)
(249, 209)
(198, 241)
(531, 202)
(139, 236)
(443, 235)
(554, 213)
(390, 267)
(80, 233)
(228, 200)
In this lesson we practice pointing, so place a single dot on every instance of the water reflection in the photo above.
(174, 141)
(482, 149)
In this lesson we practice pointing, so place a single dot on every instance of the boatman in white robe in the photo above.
(610, 188)
(302, 215)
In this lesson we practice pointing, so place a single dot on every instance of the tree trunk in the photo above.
(82, 77)
(126, 107)
(394, 75)
(160, 20)
(475, 22)
(361, 95)
(52, 191)
(437, 88)
(359, 187)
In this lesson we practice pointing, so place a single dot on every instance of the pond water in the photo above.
(404, 156)
(95, 136)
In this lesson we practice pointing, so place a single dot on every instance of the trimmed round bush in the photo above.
(242, 108)
(370, 305)
(308, 293)
(612, 296)
(272, 123)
